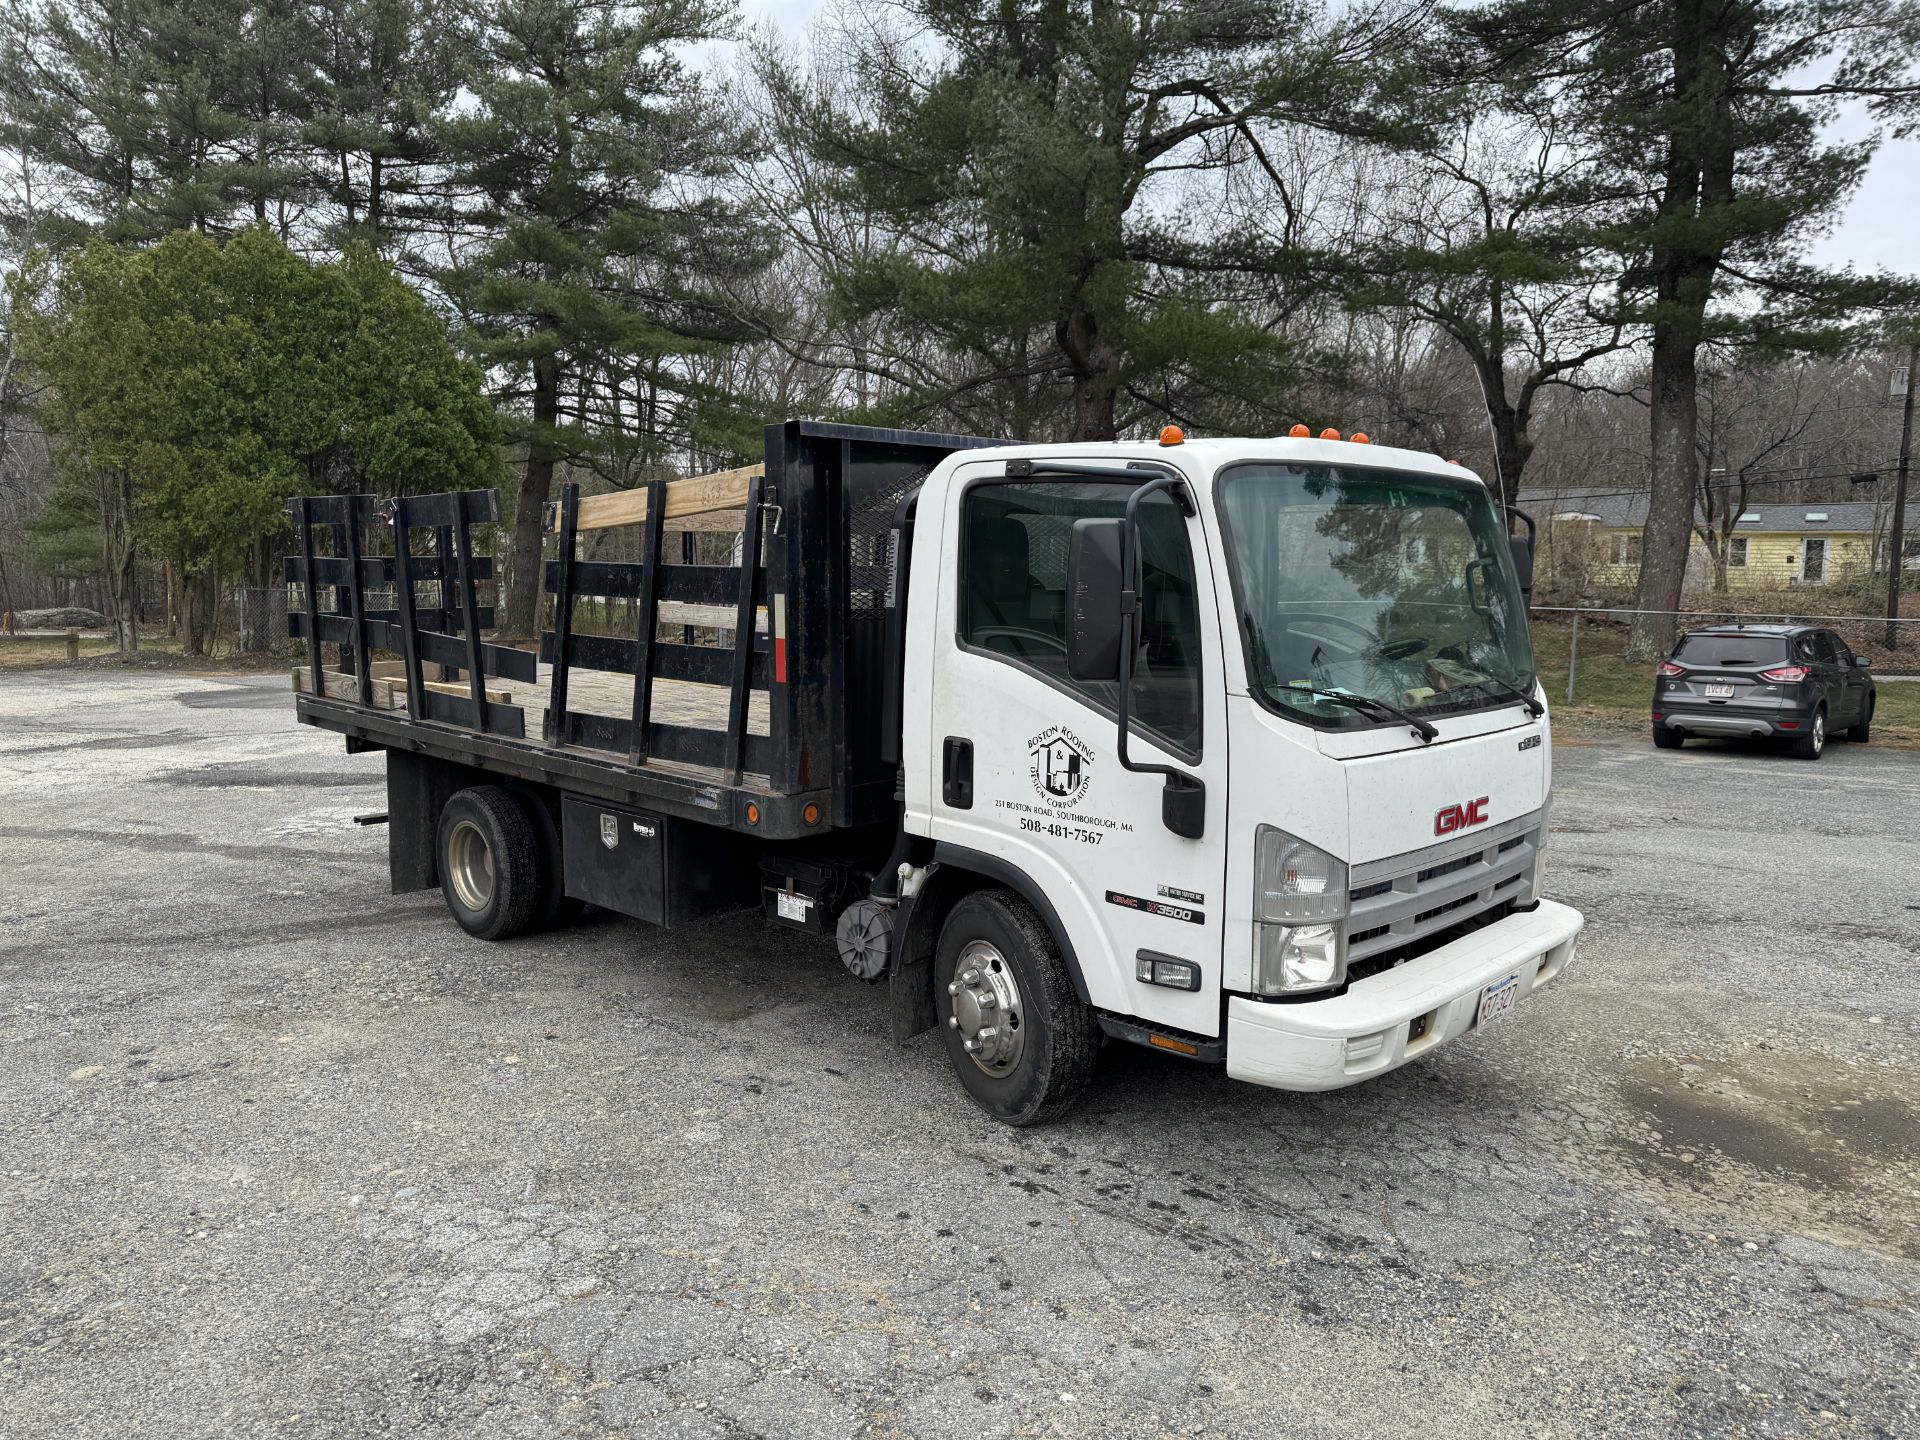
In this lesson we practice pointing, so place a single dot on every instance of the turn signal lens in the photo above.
(1296, 881)
(1667, 667)
(1787, 674)
(1172, 435)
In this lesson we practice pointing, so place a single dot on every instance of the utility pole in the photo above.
(1896, 540)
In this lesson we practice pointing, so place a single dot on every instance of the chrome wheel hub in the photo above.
(1819, 732)
(470, 865)
(986, 1008)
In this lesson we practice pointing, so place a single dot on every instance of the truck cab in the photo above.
(1232, 748)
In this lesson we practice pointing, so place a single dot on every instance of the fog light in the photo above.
(1153, 969)
(1295, 958)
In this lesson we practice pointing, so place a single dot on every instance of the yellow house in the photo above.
(1772, 545)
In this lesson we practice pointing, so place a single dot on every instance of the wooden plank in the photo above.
(697, 495)
(346, 686)
(448, 687)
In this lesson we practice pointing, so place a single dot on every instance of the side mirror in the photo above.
(1861, 662)
(1093, 600)
(1522, 548)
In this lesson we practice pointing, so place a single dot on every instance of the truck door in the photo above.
(1029, 772)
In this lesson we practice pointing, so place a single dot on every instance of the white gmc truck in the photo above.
(1231, 748)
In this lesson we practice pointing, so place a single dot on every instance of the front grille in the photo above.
(1409, 903)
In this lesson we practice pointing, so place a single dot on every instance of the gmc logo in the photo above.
(1459, 817)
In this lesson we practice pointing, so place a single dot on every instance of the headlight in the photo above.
(1300, 898)
(1296, 881)
(1295, 958)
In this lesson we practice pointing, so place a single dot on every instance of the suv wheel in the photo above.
(1666, 738)
(1808, 745)
(1863, 732)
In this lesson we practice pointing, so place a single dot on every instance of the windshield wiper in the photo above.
(1426, 732)
(1481, 677)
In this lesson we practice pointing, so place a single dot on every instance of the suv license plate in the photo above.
(1719, 692)
(1497, 1000)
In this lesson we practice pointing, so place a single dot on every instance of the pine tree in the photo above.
(1709, 114)
(1047, 189)
(588, 238)
(385, 72)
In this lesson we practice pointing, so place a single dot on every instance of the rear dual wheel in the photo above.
(498, 856)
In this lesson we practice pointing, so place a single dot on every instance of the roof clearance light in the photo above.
(1299, 432)
(1359, 437)
(1172, 435)
(1329, 433)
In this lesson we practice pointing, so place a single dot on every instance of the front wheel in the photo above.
(1020, 1040)
(493, 869)
(1810, 743)
(1863, 732)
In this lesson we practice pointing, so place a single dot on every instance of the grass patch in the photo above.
(1608, 683)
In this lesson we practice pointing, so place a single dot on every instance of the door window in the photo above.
(1013, 595)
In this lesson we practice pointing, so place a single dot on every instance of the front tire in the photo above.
(1863, 732)
(1813, 742)
(1020, 1040)
(493, 868)
(1666, 738)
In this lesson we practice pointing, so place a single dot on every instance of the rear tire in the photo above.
(493, 869)
(1665, 738)
(1810, 745)
(1863, 732)
(1041, 1059)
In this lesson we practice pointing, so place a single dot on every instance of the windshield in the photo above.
(1379, 585)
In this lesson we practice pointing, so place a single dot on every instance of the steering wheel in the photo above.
(1015, 632)
(1287, 618)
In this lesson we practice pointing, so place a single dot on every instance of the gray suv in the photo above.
(1788, 682)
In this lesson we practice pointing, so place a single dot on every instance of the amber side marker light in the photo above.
(1167, 1042)
(1172, 435)
(811, 814)
(753, 813)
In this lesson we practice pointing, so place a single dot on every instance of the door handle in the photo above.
(956, 773)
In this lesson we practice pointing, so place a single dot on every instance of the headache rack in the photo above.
(715, 646)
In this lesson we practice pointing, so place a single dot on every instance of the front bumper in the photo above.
(1325, 1044)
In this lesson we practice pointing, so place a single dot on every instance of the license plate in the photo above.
(1719, 692)
(1497, 1000)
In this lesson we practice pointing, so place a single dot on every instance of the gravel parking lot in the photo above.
(281, 1154)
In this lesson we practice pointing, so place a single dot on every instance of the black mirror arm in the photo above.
(1183, 802)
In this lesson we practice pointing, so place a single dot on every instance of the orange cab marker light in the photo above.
(1172, 435)
(1299, 432)
(1329, 433)
(753, 813)
(811, 814)
(1167, 1042)
(1359, 437)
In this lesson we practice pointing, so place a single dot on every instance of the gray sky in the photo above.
(1867, 234)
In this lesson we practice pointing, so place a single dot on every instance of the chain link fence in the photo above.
(1583, 659)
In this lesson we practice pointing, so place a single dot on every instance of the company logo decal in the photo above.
(1459, 817)
(1156, 907)
(1062, 765)
(1532, 742)
(609, 830)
